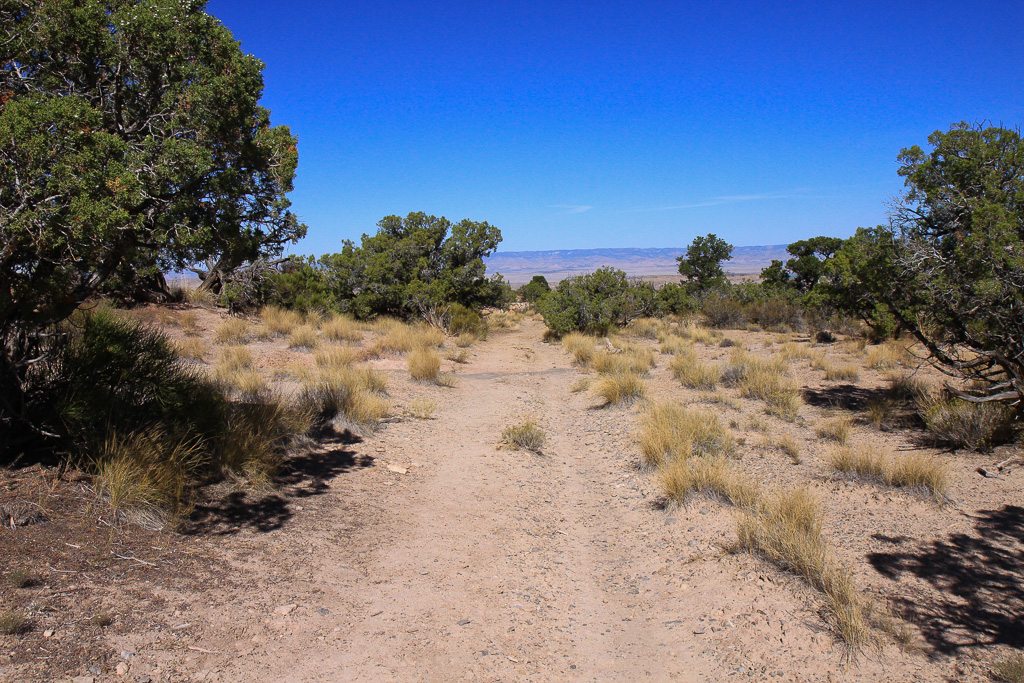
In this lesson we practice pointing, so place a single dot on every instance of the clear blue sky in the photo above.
(621, 124)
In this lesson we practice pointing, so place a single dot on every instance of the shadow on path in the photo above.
(301, 476)
(980, 578)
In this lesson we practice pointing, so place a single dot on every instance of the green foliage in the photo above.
(463, 320)
(413, 262)
(534, 289)
(130, 133)
(301, 285)
(673, 299)
(810, 257)
(702, 264)
(594, 302)
(776, 275)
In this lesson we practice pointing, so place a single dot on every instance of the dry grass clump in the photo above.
(231, 331)
(914, 470)
(786, 529)
(907, 388)
(694, 374)
(402, 338)
(356, 393)
(279, 320)
(446, 379)
(616, 388)
(189, 324)
(673, 344)
(504, 320)
(146, 473)
(785, 443)
(457, 355)
(257, 435)
(791, 350)
(647, 328)
(879, 414)
(424, 365)
(233, 359)
(192, 348)
(19, 578)
(13, 623)
(631, 359)
(466, 339)
(1010, 669)
(962, 424)
(764, 378)
(711, 476)
(422, 408)
(697, 334)
(198, 296)
(889, 356)
(304, 337)
(835, 372)
(836, 429)
(668, 431)
(336, 355)
(341, 328)
(527, 436)
(581, 346)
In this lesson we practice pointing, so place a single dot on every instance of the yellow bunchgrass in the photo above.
(503, 320)
(304, 337)
(835, 371)
(422, 408)
(786, 528)
(615, 389)
(836, 429)
(354, 392)
(189, 324)
(791, 350)
(889, 356)
(670, 431)
(231, 331)
(424, 365)
(336, 355)
(457, 355)
(581, 346)
(912, 470)
(694, 374)
(233, 359)
(764, 378)
(402, 338)
(192, 348)
(279, 320)
(648, 328)
(712, 476)
(341, 328)
(963, 424)
(198, 296)
(673, 344)
(582, 384)
(630, 359)
(785, 443)
(465, 340)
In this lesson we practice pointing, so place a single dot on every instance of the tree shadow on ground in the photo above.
(844, 396)
(980, 578)
(220, 513)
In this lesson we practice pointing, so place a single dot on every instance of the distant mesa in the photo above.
(519, 266)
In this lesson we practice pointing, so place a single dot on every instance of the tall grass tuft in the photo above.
(355, 393)
(913, 470)
(836, 429)
(526, 435)
(619, 388)
(304, 337)
(279, 320)
(231, 331)
(341, 328)
(424, 365)
(669, 431)
(581, 346)
(961, 424)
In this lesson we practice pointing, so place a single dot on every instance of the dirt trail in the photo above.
(484, 563)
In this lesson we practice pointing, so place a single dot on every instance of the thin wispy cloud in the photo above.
(570, 208)
(725, 199)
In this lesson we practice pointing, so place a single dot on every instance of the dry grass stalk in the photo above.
(694, 374)
(457, 355)
(231, 331)
(913, 470)
(336, 355)
(466, 339)
(279, 320)
(189, 324)
(615, 389)
(834, 372)
(192, 348)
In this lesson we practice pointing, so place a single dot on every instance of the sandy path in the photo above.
(489, 564)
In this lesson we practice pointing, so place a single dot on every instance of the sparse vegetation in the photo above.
(424, 365)
(668, 431)
(19, 578)
(191, 348)
(304, 337)
(1011, 668)
(694, 374)
(231, 331)
(526, 435)
(422, 408)
(341, 328)
(13, 622)
(846, 373)
(958, 423)
(910, 470)
(581, 346)
(582, 384)
(836, 429)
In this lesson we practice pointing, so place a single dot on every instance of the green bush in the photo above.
(534, 289)
(464, 320)
(673, 299)
(595, 302)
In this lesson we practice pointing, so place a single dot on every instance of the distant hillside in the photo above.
(519, 266)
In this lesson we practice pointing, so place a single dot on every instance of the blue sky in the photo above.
(621, 124)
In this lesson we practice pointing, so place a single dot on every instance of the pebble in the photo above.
(285, 610)
(121, 669)
(463, 622)
(47, 634)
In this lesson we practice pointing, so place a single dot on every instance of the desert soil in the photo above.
(427, 551)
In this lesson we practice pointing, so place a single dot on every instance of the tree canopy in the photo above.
(419, 260)
(702, 263)
(131, 138)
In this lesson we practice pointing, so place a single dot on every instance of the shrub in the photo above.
(615, 389)
(722, 311)
(424, 365)
(961, 424)
(464, 320)
(13, 623)
(595, 302)
(527, 436)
